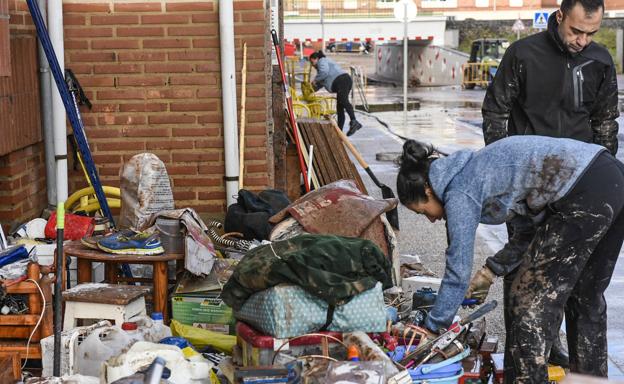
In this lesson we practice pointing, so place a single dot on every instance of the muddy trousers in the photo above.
(568, 265)
(342, 87)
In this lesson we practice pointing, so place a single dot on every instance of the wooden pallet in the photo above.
(331, 161)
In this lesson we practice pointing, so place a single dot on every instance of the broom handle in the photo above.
(348, 143)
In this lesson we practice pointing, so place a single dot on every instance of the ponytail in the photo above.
(413, 175)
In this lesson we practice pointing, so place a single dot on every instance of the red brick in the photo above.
(115, 44)
(209, 143)
(168, 68)
(247, 5)
(191, 107)
(169, 144)
(101, 107)
(209, 30)
(170, 94)
(192, 80)
(190, 7)
(138, 7)
(196, 157)
(142, 56)
(255, 142)
(100, 158)
(140, 107)
(89, 32)
(97, 81)
(206, 17)
(210, 67)
(140, 31)
(117, 68)
(257, 180)
(255, 155)
(253, 16)
(76, 44)
(211, 42)
(256, 105)
(121, 146)
(114, 19)
(212, 195)
(256, 168)
(165, 19)
(9, 214)
(171, 119)
(211, 169)
(256, 117)
(184, 195)
(121, 120)
(167, 43)
(211, 118)
(104, 132)
(209, 92)
(200, 132)
(191, 55)
(92, 57)
(85, 8)
(123, 94)
(182, 169)
(74, 20)
(141, 80)
(146, 132)
(210, 208)
(197, 181)
(256, 129)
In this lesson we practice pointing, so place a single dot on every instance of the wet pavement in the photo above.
(450, 118)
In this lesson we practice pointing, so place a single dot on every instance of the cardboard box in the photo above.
(416, 283)
(203, 310)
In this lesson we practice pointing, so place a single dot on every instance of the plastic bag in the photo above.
(201, 338)
(76, 226)
(145, 189)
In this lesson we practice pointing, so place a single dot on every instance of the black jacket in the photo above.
(542, 89)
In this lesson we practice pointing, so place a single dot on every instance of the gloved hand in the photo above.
(480, 284)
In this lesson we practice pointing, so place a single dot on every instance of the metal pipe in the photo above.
(228, 93)
(55, 30)
(46, 116)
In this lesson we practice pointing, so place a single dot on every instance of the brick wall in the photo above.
(152, 72)
(22, 171)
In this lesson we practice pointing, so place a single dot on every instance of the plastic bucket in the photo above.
(171, 235)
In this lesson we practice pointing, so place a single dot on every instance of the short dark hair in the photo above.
(317, 55)
(589, 6)
(413, 175)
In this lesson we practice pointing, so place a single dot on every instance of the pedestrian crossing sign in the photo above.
(540, 20)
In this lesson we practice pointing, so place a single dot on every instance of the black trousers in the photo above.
(342, 87)
(568, 266)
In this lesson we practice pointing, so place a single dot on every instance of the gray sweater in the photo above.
(509, 181)
(326, 72)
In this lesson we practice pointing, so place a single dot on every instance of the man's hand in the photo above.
(480, 284)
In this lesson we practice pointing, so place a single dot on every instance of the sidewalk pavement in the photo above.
(419, 236)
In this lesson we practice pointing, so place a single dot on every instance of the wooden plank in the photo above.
(347, 167)
(106, 293)
(307, 130)
(10, 367)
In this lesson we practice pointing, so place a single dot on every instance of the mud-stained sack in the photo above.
(145, 189)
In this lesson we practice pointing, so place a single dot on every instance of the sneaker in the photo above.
(354, 125)
(138, 244)
(92, 241)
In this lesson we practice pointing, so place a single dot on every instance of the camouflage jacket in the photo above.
(542, 89)
(333, 268)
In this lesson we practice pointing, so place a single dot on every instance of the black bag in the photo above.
(250, 214)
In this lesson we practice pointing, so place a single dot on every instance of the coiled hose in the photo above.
(223, 241)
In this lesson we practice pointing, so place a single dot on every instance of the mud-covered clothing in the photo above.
(542, 89)
(569, 265)
(327, 70)
(342, 87)
(334, 268)
(507, 181)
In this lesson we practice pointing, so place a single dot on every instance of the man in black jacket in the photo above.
(554, 83)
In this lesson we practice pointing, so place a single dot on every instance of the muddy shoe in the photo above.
(139, 244)
(354, 125)
(558, 355)
(91, 241)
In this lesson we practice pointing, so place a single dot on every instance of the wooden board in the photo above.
(105, 293)
(331, 160)
(10, 367)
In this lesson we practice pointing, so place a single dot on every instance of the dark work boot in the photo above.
(354, 125)
(558, 355)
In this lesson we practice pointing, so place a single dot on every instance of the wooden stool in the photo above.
(103, 302)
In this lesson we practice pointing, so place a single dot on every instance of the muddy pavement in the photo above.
(450, 118)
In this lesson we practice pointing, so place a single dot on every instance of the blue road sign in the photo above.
(540, 20)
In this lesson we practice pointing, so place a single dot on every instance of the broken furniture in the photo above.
(99, 301)
(86, 257)
(15, 330)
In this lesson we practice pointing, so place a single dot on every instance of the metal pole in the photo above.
(405, 64)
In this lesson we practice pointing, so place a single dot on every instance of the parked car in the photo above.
(350, 46)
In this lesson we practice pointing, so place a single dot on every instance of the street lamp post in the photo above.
(405, 11)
